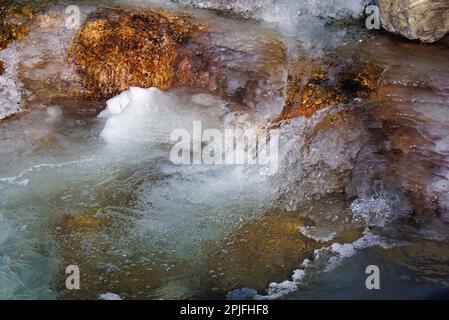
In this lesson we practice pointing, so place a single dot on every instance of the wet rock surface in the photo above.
(313, 86)
(363, 145)
(400, 100)
(413, 98)
(13, 23)
(427, 20)
(118, 48)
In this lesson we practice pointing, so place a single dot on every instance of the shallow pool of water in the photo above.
(99, 190)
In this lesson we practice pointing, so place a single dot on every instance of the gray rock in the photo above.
(426, 20)
(109, 296)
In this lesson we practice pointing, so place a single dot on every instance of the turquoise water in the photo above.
(102, 194)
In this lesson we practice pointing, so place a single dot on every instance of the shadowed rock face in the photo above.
(426, 20)
(413, 101)
(315, 88)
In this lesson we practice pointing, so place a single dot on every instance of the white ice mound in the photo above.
(206, 126)
(150, 115)
(117, 104)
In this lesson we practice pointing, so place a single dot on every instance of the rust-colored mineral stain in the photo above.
(10, 32)
(319, 91)
(83, 222)
(305, 100)
(120, 48)
(14, 19)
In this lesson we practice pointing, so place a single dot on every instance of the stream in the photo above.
(362, 180)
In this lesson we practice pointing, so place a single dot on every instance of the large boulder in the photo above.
(118, 48)
(425, 20)
(123, 47)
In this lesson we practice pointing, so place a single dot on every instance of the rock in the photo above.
(119, 48)
(411, 100)
(242, 294)
(403, 109)
(310, 90)
(307, 93)
(2, 67)
(14, 20)
(109, 296)
(426, 20)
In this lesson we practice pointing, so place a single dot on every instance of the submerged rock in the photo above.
(426, 20)
(259, 252)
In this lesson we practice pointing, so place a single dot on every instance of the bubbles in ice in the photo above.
(381, 208)
(184, 204)
(317, 233)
